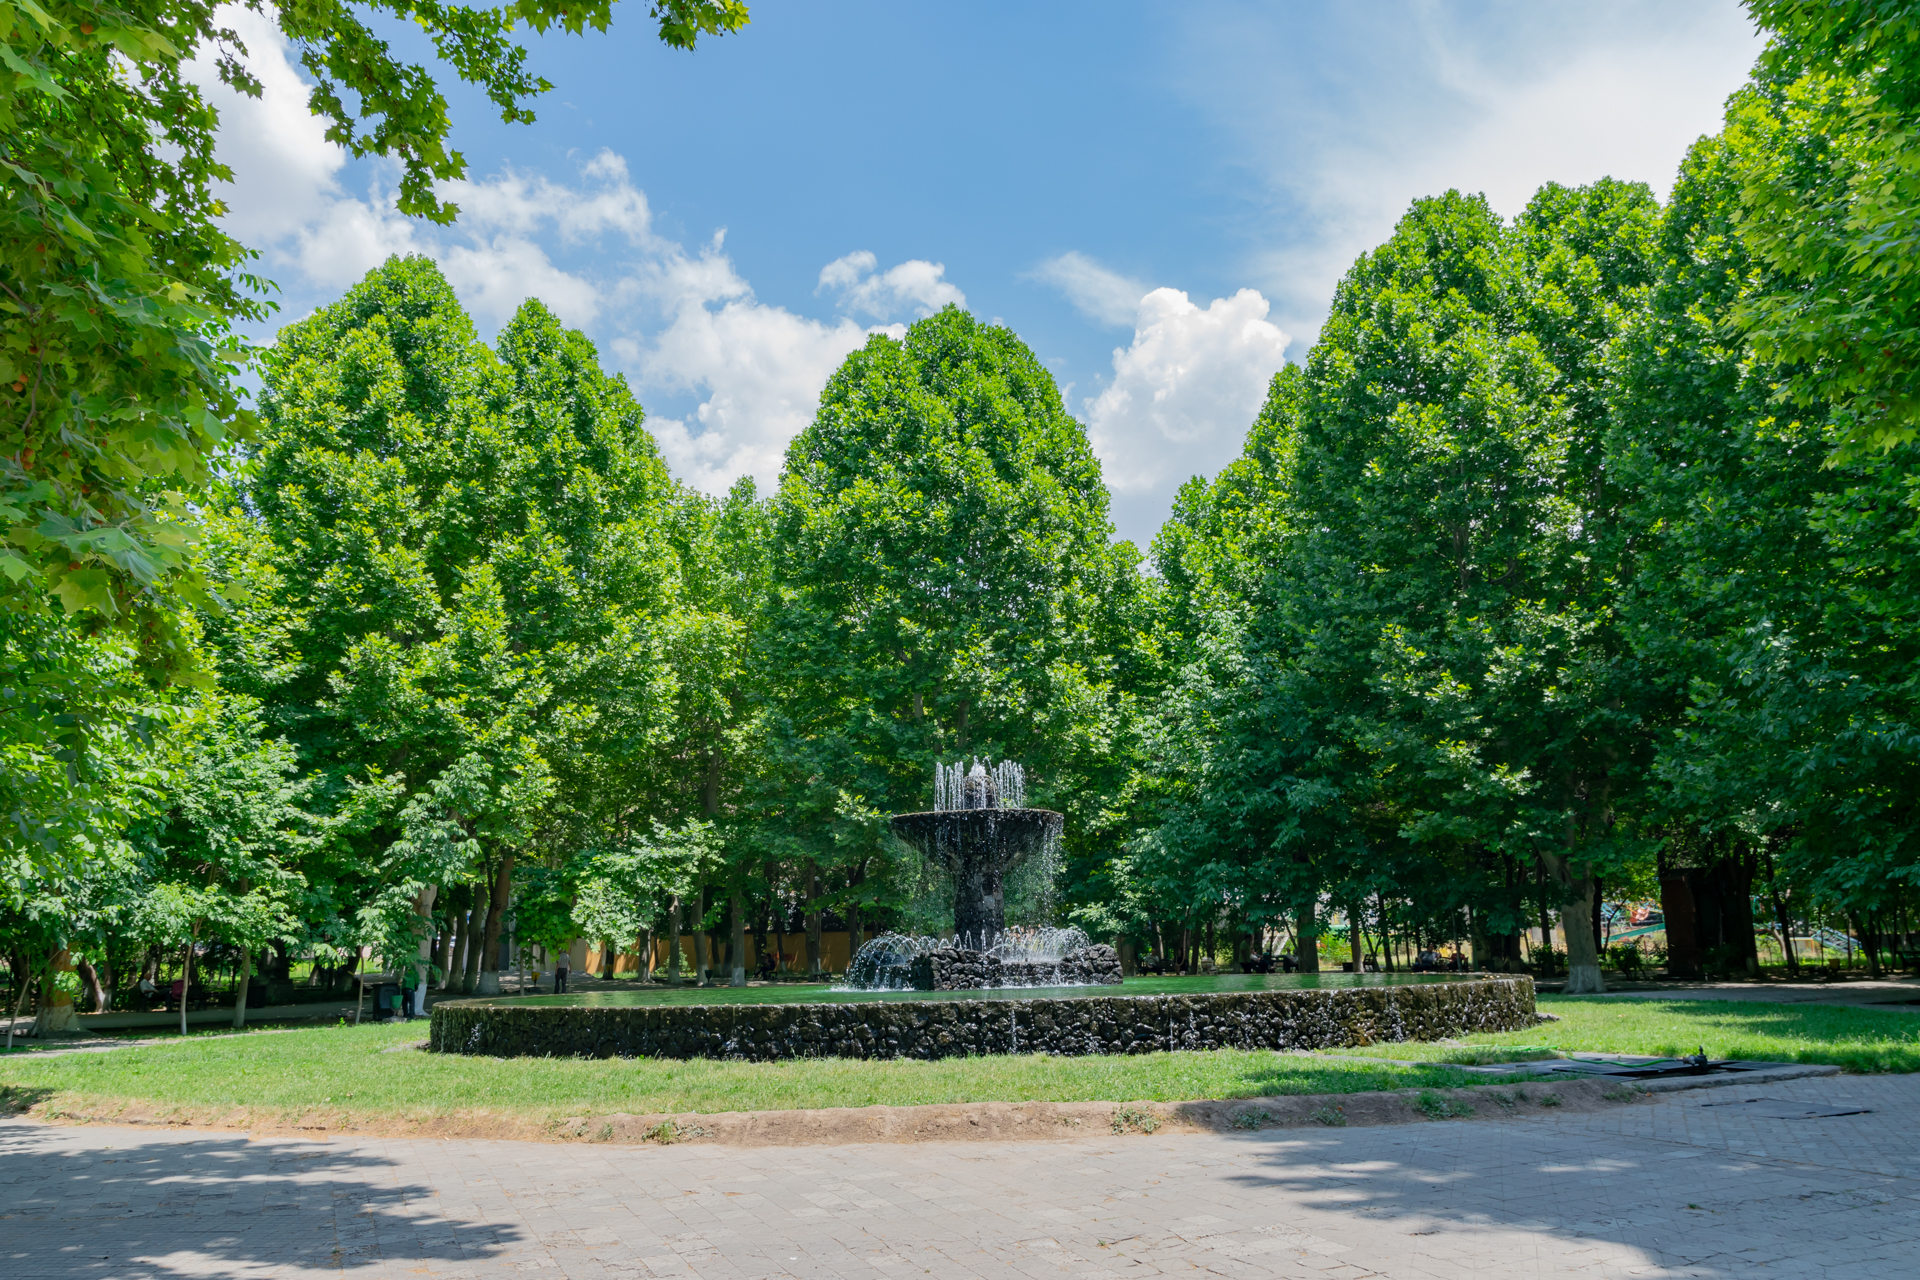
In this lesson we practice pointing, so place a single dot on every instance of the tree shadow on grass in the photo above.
(152, 1206)
(1866, 1040)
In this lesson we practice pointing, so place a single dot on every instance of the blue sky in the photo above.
(1158, 198)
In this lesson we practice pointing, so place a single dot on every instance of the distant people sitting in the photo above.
(766, 967)
(1287, 962)
(1259, 962)
(1427, 961)
(562, 970)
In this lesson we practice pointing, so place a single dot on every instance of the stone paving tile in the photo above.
(1676, 1187)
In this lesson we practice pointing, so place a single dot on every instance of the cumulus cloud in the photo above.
(1094, 290)
(679, 321)
(1497, 97)
(915, 287)
(1182, 396)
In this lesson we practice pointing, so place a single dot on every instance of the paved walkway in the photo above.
(1683, 1186)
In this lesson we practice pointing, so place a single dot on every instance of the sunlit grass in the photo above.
(371, 1071)
(350, 1069)
(1855, 1039)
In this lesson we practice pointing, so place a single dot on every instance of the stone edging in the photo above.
(1297, 1018)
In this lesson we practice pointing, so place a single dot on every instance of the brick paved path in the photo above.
(1676, 1187)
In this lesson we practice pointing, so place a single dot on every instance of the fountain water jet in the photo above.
(978, 831)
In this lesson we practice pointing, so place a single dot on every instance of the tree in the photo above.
(1770, 592)
(116, 365)
(944, 581)
(1822, 148)
(623, 893)
(471, 552)
(233, 837)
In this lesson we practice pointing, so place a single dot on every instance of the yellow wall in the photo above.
(833, 954)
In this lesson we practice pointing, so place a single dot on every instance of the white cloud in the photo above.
(1498, 98)
(679, 321)
(275, 141)
(915, 286)
(1181, 399)
(1094, 290)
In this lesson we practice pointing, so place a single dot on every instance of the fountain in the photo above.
(989, 988)
(978, 831)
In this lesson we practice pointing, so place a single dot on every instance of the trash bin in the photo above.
(390, 999)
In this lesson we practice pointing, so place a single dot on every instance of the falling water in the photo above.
(884, 963)
(984, 786)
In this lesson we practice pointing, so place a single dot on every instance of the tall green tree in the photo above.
(1823, 148)
(119, 288)
(945, 581)
(1770, 595)
(472, 549)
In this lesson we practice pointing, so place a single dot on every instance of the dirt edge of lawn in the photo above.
(946, 1122)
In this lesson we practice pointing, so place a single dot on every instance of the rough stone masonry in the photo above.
(946, 1028)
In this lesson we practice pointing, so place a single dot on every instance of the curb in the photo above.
(1770, 1075)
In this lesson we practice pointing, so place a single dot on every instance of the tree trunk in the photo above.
(24, 980)
(186, 982)
(703, 941)
(853, 933)
(1546, 918)
(1576, 893)
(240, 989)
(813, 921)
(496, 920)
(1868, 932)
(423, 912)
(90, 979)
(441, 961)
(476, 925)
(643, 965)
(1780, 915)
(1306, 934)
(673, 942)
(739, 941)
(1599, 925)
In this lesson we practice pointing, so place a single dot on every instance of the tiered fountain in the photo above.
(987, 989)
(978, 831)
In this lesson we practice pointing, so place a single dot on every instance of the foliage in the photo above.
(117, 363)
(1823, 148)
(622, 893)
(945, 582)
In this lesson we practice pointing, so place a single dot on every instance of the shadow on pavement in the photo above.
(214, 1206)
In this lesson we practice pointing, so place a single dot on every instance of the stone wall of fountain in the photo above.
(958, 1026)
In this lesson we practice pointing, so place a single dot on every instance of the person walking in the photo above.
(560, 972)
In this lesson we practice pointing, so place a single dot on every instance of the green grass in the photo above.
(368, 1071)
(344, 1069)
(1854, 1039)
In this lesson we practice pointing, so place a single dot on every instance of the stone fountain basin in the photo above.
(1143, 1015)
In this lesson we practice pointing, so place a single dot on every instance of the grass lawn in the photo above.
(1854, 1039)
(348, 1070)
(369, 1071)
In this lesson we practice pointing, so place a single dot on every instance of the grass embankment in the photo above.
(1854, 1039)
(347, 1072)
